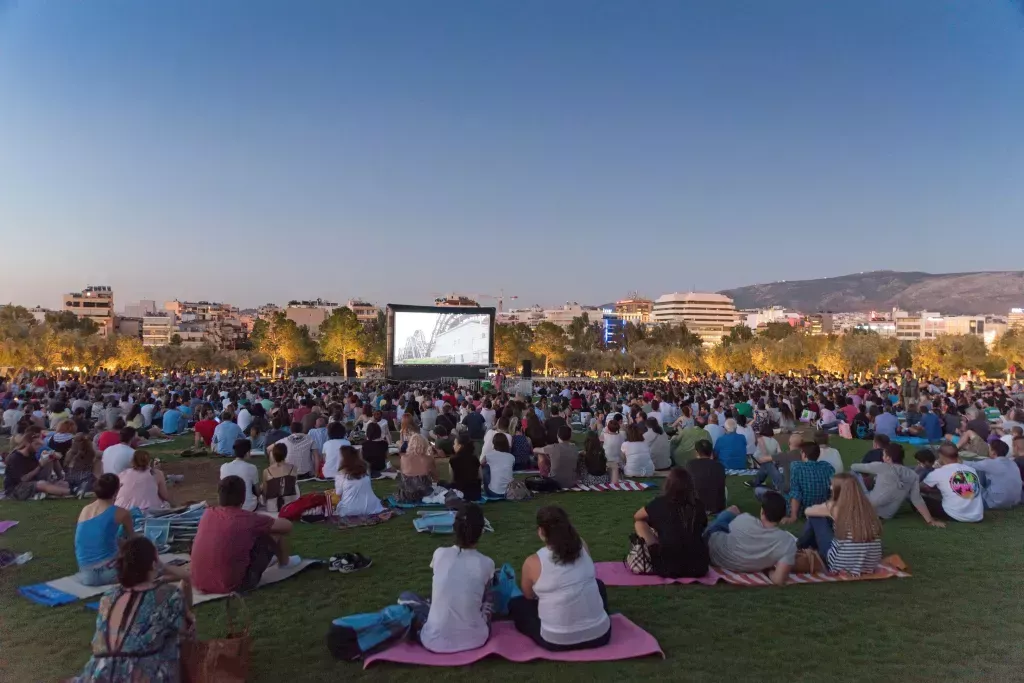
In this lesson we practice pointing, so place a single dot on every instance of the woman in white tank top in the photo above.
(564, 606)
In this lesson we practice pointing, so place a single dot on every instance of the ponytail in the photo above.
(560, 535)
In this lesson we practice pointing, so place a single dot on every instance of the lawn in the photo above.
(956, 619)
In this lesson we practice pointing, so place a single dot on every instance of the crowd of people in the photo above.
(79, 436)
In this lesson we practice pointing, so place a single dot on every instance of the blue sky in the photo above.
(255, 151)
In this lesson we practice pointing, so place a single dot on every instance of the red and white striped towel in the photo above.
(621, 486)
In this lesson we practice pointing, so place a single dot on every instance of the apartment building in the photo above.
(93, 302)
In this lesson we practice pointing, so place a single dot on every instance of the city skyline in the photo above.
(256, 152)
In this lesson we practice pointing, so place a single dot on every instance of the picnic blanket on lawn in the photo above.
(354, 521)
(621, 486)
(393, 502)
(628, 641)
(152, 442)
(4, 526)
(440, 522)
(740, 473)
(616, 574)
(66, 590)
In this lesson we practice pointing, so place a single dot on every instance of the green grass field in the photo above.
(958, 618)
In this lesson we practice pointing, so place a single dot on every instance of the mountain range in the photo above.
(952, 293)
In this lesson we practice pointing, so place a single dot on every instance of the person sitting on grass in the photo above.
(226, 434)
(828, 454)
(418, 471)
(137, 421)
(809, 482)
(81, 466)
(672, 526)
(929, 425)
(593, 467)
(564, 606)
(893, 484)
(877, 452)
(684, 441)
(731, 448)
(141, 623)
(953, 490)
(302, 452)
(636, 453)
(26, 477)
(204, 431)
(465, 468)
(173, 421)
(496, 469)
(1000, 478)
(101, 526)
(740, 543)
(354, 488)
(375, 450)
(142, 486)
(708, 477)
(657, 442)
(460, 614)
(925, 458)
(233, 547)
(280, 480)
(560, 462)
(246, 471)
(331, 449)
(844, 529)
(778, 470)
(444, 444)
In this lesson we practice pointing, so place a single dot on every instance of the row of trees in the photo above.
(64, 340)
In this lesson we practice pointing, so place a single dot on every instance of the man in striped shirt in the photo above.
(810, 482)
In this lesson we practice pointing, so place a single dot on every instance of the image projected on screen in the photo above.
(442, 338)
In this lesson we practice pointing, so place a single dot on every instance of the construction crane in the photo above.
(500, 297)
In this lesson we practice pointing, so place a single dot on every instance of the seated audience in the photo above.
(1000, 478)
(497, 467)
(672, 526)
(226, 434)
(731, 448)
(893, 484)
(563, 606)
(809, 482)
(560, 461)
(142, 622)
(953, 490)
(142, 486)
(81, 466)
(740, 543)
(204, 430)
(246, 471)
(636, 454)
(118, 458)
(332, 449)
(101, 526)
(353, 486)
(302, 452)
(27, 478)
(233, 547)
(684, 442)
(459, 617)
(657, 443)
(418, 472)
(925, 458)
(593, 467)
(828, 454)
(778, 470)
(708, 477)
(465, 469)
(375, 450)
(929, 425)
(877, 452)
(280, 480)
(844, 529)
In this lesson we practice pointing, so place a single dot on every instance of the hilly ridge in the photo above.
(953, 293)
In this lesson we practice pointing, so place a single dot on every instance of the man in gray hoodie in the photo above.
(893, 484)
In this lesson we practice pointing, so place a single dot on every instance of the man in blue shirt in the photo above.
(225, 435)
(810, 482)
(929, 426)
(886, 423)
(173, 419)
(731, 448)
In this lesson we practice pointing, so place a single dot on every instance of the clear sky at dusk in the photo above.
(253, 151)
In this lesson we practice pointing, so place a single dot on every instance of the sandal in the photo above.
(347, 563)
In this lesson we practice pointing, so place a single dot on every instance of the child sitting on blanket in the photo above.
(460, 609)
(353, 486)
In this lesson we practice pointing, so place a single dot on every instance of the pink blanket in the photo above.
(4, 526)
(628, 641)
(616, 574)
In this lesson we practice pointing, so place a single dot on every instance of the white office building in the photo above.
(708, 315)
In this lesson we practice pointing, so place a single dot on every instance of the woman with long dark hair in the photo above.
(672, 526)
(564, 606)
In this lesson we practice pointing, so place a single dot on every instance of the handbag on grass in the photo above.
(638, 559)
(808, 561)
(220, 660)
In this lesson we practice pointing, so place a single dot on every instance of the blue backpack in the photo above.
(352, 637)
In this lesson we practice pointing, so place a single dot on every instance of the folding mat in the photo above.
(628, 641)
(616, 574)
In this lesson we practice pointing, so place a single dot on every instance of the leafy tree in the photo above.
(376, 340)
(949, 355)
(512, 344)
(585, 335)
(685, 359)
(128, 354)
(738, 335)
(176, 339)
(670, 335)
(18, 315)
(279, 339)
(1010, 347)
(776, 331)
(549, 342)
(66, 321)
(342, 336)
(632, 334)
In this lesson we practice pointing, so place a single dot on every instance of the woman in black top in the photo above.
(673, 526)
(375, 450)
(465, 468)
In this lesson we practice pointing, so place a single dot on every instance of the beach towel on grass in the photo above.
(616, 574)
(440, 523)
(4, 526)
(393, 502)
(354, 521)
(628, 641)
(621, 486)
(740, 473)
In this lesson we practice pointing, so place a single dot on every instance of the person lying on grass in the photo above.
(233, 547)
(26, 477)
(672, 527)
(741, 543)
(460, 612)
(893, 484)
(564, 606)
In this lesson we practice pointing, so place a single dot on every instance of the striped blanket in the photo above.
(621, 486)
